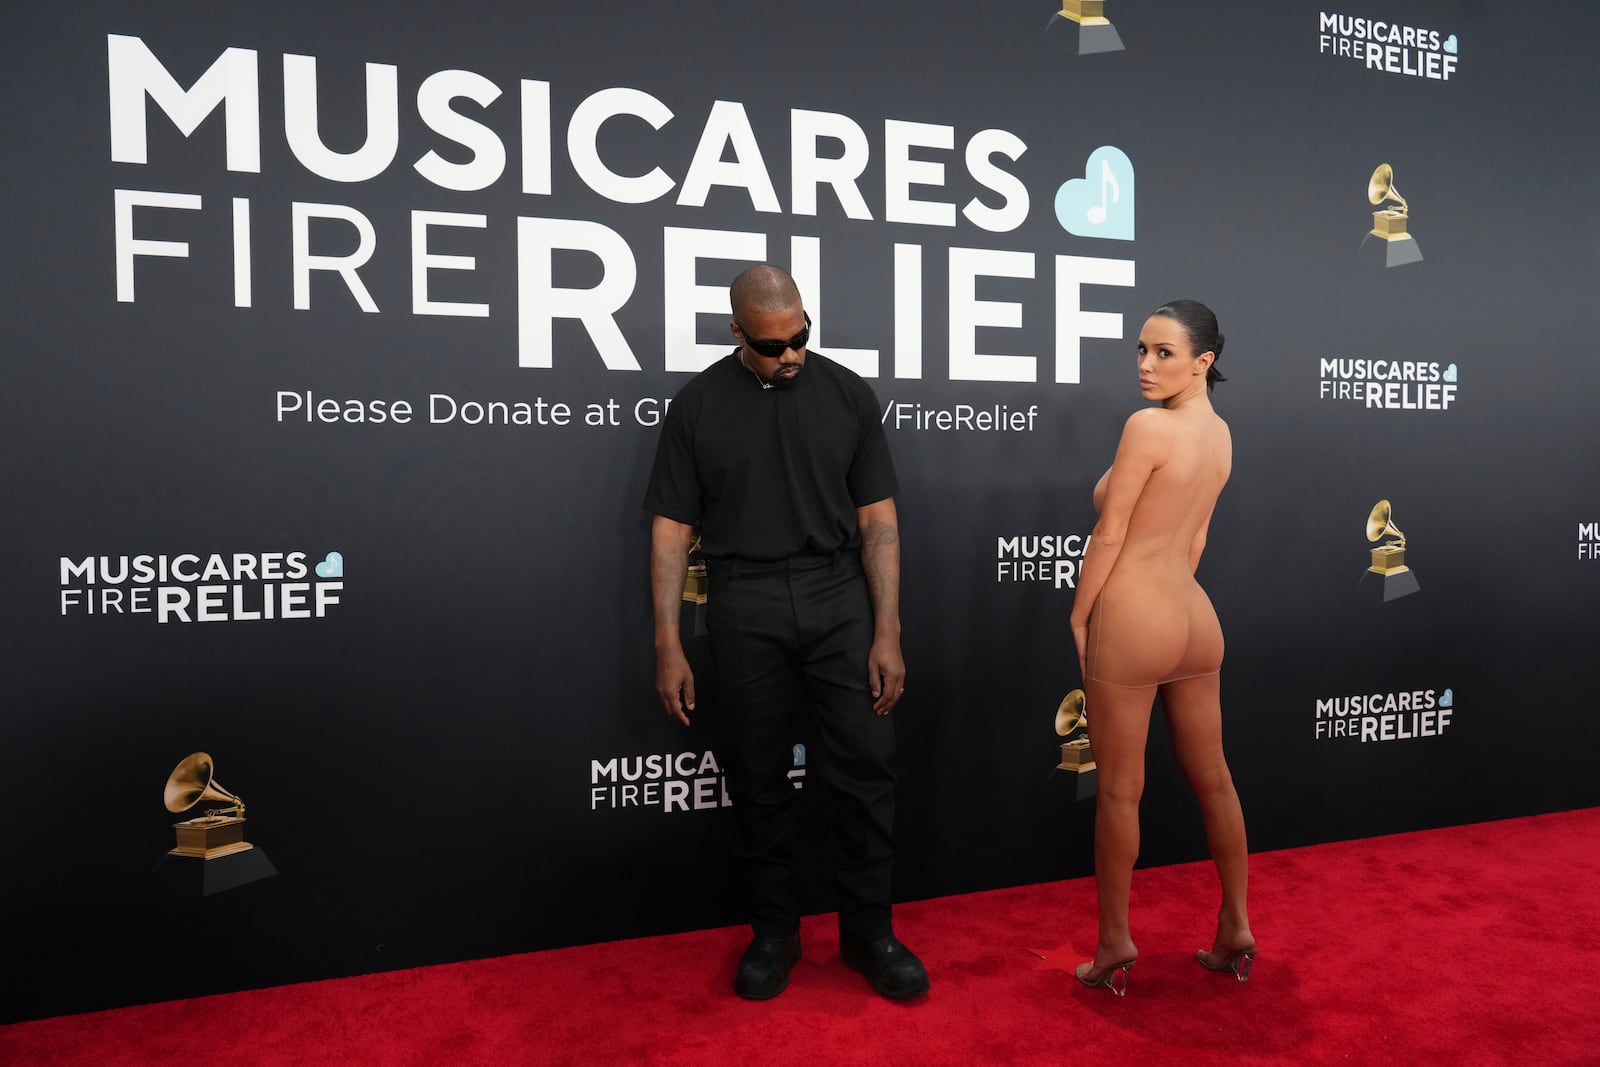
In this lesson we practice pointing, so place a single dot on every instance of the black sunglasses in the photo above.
(775, 349)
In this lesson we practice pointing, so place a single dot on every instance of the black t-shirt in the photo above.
(771, 473)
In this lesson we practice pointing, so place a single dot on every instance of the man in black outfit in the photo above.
(778, 456)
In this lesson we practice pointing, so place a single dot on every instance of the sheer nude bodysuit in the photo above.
(1152, 623)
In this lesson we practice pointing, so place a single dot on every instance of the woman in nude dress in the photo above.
(1142, 624)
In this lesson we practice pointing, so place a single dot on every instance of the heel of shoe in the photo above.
(1114, 977)
(1236, 962)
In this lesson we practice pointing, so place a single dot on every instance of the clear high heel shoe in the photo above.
(1109, 977)
(1237, 962)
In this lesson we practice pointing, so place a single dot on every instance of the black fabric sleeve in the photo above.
(674, 490)
(871, 476)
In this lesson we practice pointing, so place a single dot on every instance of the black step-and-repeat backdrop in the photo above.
(337, 338)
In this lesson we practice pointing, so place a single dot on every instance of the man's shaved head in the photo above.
(763, 288)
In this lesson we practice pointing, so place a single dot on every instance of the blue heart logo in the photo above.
(332, 567)
(1447, 698)
(1100, 204)
(1450, 44)
(1451, 374)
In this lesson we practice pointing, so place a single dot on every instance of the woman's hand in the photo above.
(1080, 637)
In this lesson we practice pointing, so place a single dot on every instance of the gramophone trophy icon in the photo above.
(1083, 24)
(1389, 223)
(211, 854)
(1389, 558)
(1077, 757)
(697, 582)
(697, 586)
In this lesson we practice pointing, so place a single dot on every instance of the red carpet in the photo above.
(1464, 946)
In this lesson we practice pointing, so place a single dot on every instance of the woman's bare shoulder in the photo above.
(1147, 437)
(1148, 421)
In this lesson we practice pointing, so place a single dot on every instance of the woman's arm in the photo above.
(1143, 449)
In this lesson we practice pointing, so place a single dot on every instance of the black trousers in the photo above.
(788, 639)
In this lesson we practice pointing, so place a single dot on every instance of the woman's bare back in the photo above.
(1152, 622)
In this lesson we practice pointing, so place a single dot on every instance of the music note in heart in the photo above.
(1108, 184)
(1109, 216)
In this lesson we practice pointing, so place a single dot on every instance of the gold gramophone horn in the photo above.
(1070, 715)
(190, 783)
(1379, 524)
(1380, 187)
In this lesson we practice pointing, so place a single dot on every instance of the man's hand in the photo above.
(675, 683)
(886, 674)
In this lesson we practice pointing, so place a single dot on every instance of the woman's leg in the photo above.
(1119, 723)
(1194, 717)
